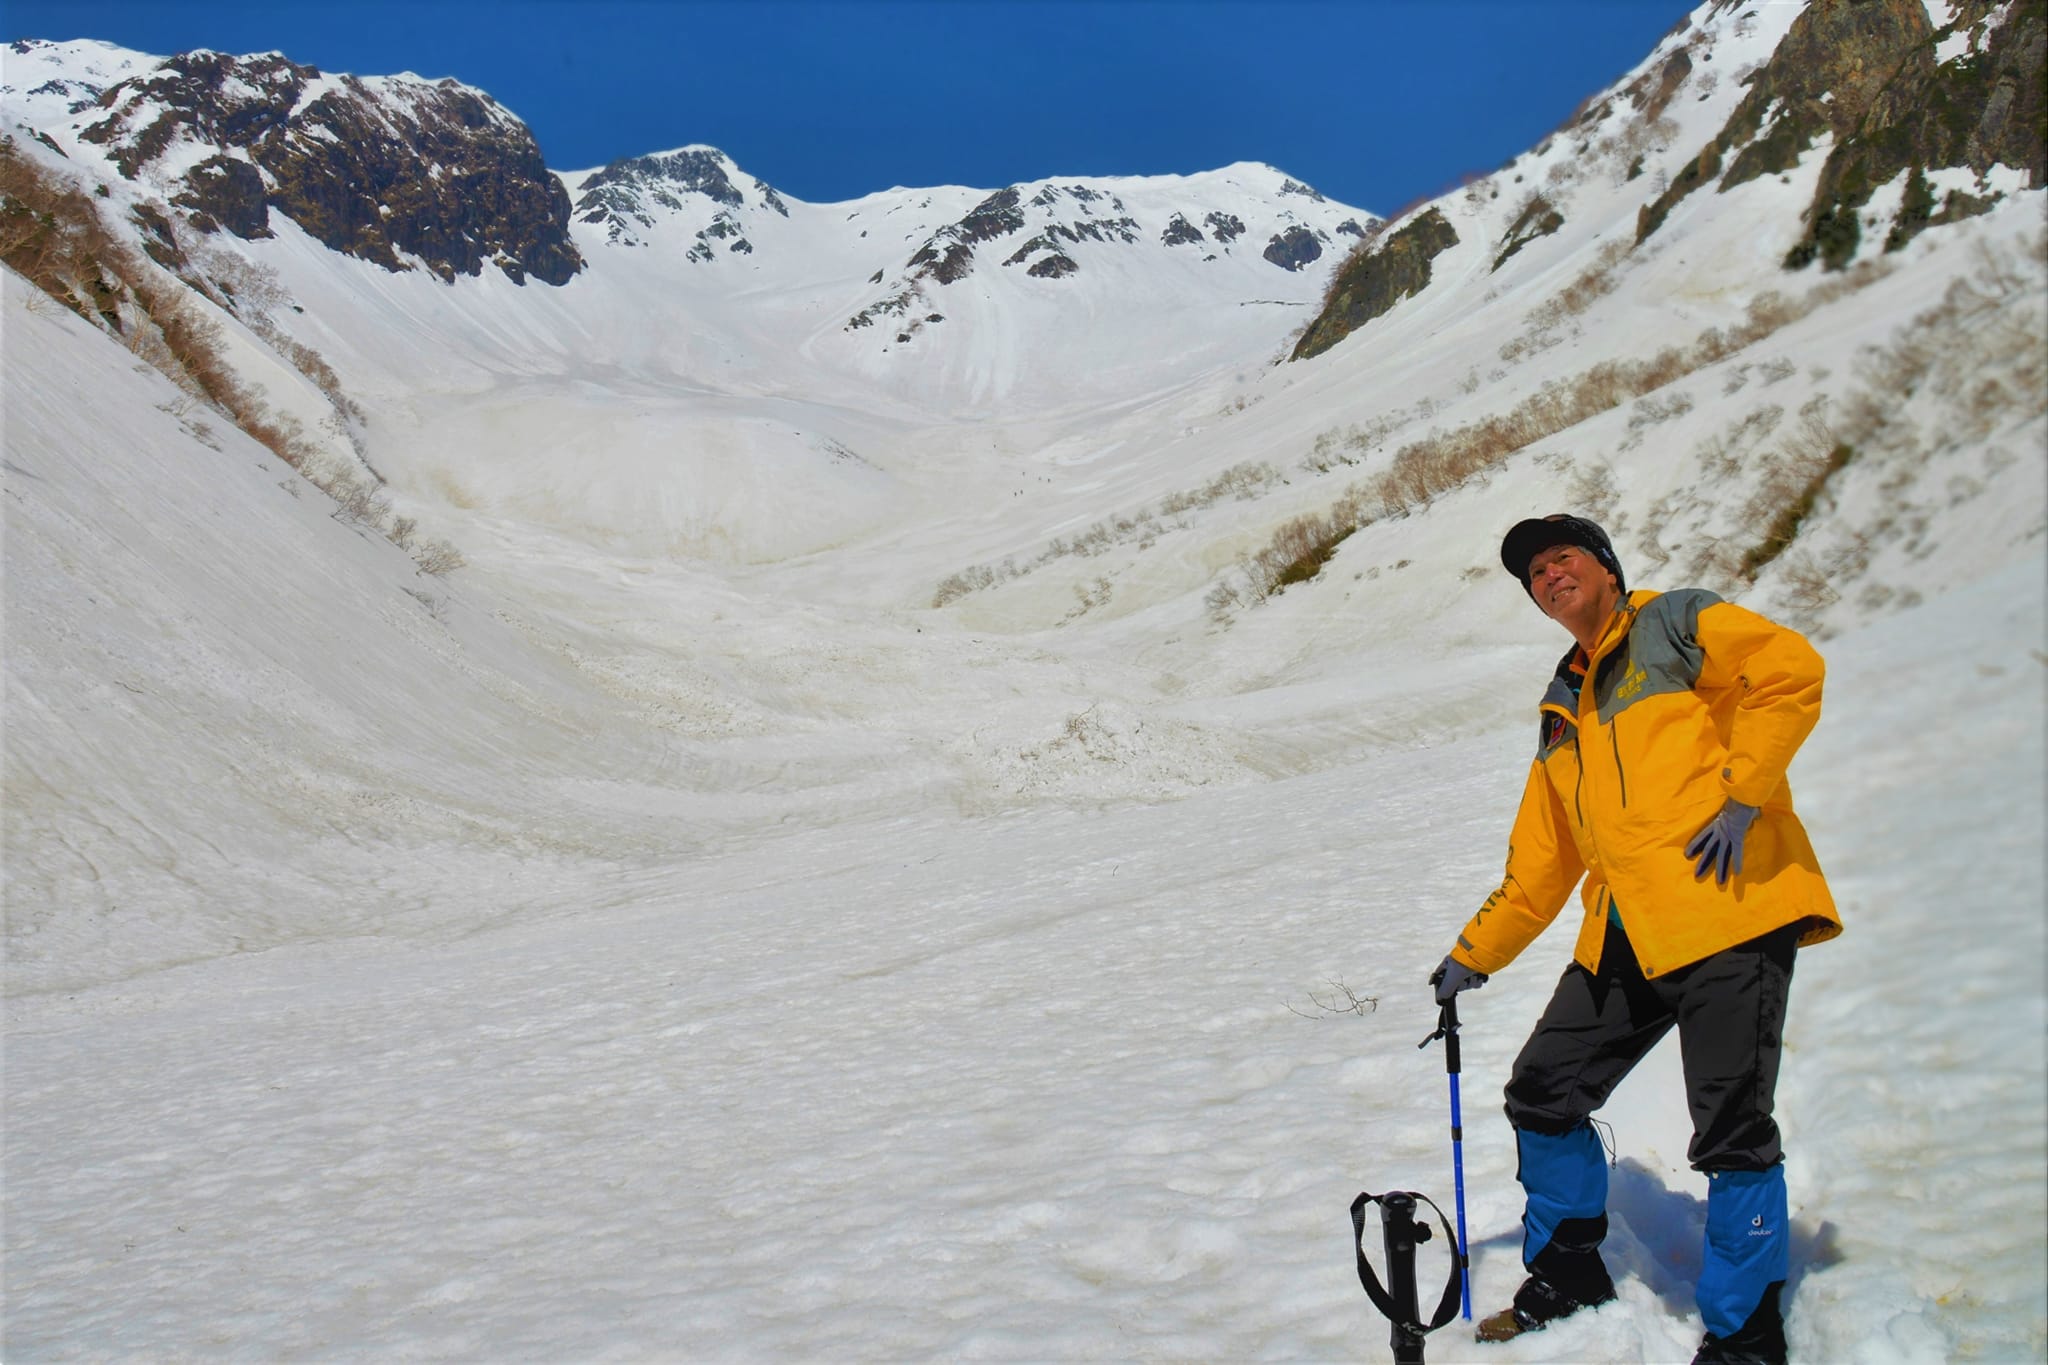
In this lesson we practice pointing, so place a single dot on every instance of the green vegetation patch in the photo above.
(1376, 276)
(1784, 527)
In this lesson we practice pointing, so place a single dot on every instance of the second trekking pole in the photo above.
(1447, 1029)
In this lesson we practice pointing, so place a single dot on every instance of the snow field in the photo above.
(1036, 1087)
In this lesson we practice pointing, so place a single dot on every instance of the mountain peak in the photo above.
(626, 195)
(396, 170)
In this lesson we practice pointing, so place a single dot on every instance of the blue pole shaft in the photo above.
(1458, 1184)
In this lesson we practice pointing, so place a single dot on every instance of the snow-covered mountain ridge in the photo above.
(401, 171)
(389, 169)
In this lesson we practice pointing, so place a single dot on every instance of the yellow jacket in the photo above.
(1692, 700)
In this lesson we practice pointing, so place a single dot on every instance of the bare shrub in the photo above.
(1424, 470)
(1297, 552)
(1793, 479)
(956, 586)
(1650, 549)
(1591, 284)
(357, 501)
(1592, 490)
(52, 232)
(437, 557)
(313, 366)
(1143, 528)
(1222, 598)
(1340, 999)
(1808, 589)
(242, 286)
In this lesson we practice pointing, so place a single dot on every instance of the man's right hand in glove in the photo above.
(1452, 976)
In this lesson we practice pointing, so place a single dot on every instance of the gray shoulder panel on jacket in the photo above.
(1663, 653)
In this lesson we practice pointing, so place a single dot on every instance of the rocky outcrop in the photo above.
(396, 171)
(625, 194)
(1228, 227)
(223, 192)
(1051, 231)
(1376, 278)
(1538, 218)
(1897, 97)
(1652, 92)
(1295, 248)
(949, 254)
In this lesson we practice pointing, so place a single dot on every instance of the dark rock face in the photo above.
(1371, 283)
(81, 95)
(231, 195)
(437, 171)
(993, 217)
(1866, 72)
(623, 193)
(1036, 236)
(949, 254)
(1538, 218)
(1652, 92)
(159, 238)
(1294, 248)
(945, 264)
(1123, 230)
(1228, 227)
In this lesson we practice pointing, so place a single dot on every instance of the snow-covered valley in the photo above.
(855, 863)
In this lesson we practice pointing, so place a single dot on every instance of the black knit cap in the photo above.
(1559, 528)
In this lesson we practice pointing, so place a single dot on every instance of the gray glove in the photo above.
(1452, 976)
(1719, 845)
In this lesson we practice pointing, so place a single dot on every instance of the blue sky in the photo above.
(1374, 102)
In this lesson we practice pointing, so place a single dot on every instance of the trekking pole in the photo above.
(1447, 1029)
(1401, 1233)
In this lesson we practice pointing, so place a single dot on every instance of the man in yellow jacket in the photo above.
(1659, 790)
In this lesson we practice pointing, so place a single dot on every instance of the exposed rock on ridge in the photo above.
(384, 171)
(1294, 248)
(1872, 74)
(623, 194)
(1058, 218)
(1373, 281)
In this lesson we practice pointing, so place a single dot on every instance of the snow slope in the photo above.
(829, 879)
(1049, 1085)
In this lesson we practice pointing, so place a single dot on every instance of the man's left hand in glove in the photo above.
(1719, 846)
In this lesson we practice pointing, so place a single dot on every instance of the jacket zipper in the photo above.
(1593, 658)
(1621, 775)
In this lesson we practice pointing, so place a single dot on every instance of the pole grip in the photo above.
(1397, 1229)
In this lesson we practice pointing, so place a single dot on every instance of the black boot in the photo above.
(1566, 1276)
(1761, 1341)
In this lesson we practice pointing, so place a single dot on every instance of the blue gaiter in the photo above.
(1748, 1245)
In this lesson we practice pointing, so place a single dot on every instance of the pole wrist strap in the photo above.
(1377, 1292)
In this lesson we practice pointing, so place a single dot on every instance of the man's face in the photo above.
(1572, 588)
